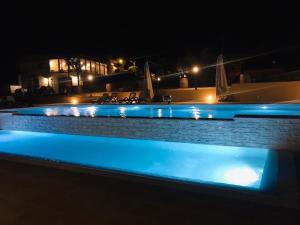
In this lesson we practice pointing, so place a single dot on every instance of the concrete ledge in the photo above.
(273, 133)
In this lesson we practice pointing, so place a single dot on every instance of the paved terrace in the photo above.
(38, 195)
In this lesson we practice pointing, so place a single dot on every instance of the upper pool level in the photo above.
(197, 111)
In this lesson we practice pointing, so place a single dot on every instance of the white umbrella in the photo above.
(148, 89)
(221, 79)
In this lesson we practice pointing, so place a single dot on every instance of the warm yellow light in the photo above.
(74, 101)
(195, 69)
(90, 77)
(210, 99)
(158, 79)
(121, 61)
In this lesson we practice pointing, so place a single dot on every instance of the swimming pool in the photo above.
(183, 162)
(197, 111)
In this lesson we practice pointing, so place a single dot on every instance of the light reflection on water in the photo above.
(122, 112)
(196, 113)
(91, 111)
(159, 113)
(166, 111)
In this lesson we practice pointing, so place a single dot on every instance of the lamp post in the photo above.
(157, 82)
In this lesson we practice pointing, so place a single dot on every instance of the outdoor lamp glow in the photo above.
(74, 101)
(121, 61)
(195, 69)
(90, 77)
(158, 79)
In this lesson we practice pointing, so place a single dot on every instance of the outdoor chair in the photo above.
(102, 99)
(130, 99)
(133, 99)
(167, 98)
(114, 98)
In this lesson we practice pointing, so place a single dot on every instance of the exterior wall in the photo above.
(274, 133)
(206, 94)
(184, 82)
(266, 92)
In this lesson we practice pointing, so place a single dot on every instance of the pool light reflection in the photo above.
(196, 113)
(242, 176)
(122, 112)
(75, 111)
(91, 111)
(159, 113)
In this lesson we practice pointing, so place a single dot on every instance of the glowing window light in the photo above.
(210, 116)
(53, 63)
(243, 176)
(74, 80)
(264, 107)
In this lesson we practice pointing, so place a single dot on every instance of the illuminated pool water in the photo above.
(198, 163)
(197, 111)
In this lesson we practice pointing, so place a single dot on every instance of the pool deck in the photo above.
(40, 195)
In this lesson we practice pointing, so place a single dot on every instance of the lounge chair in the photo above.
(102, 99)
(167, 98)
(133, 99)
(114, 98)
(128, 100)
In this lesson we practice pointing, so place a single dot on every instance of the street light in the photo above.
(121, 61)
(158, 79)
(195, 69)
(90, 77)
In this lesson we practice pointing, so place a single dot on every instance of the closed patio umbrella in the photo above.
(221, 79)
(148, 89)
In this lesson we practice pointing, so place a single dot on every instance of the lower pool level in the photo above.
(183, 162)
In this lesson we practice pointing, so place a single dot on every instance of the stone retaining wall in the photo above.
(275, 133)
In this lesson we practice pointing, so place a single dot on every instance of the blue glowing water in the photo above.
(208, 164)
(197, 111)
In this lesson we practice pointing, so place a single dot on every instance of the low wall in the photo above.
(266, 92)
(275, 133)
(201, 94)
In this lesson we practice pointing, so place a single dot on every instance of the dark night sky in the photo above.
(144, 28)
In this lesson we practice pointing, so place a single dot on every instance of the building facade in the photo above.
(62, 74)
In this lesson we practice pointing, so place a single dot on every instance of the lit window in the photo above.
(63, 65)
(88, 65)
(102, 69)
(74, 80)
(97, 67)
(82, 64)
(93, 66)
(105, 69)
(53, 63)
